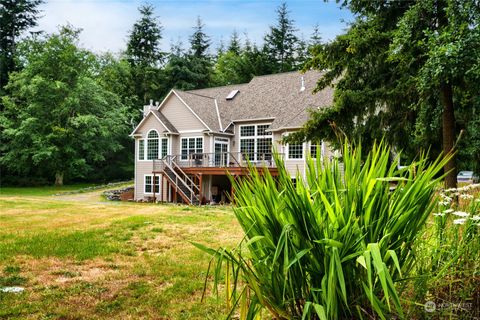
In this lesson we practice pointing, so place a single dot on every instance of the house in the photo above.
(186, 146)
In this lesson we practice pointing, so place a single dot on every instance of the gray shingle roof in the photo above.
(275, 96)
(165, 121)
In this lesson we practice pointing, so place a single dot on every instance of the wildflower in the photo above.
(466, 196)
(460, 214)
(459, 221)
(475, 218)
(439, 214)
(448, 211)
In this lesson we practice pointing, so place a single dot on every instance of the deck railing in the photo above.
(219, 160)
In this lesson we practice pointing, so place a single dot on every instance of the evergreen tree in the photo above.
(199, 41)
(405, 72)
(234, 45)
(199, 61)
(16, 16)
(143, 47)
(315, 38)
(144, 54)
(281, 42)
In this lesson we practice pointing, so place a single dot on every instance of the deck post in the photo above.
(174, 194)
(200, 180)
(161, 188)
(154, 185)
(232, 189)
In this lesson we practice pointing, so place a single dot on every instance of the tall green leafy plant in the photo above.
(332, 245)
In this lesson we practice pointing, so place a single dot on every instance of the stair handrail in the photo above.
(177, 177)
(186, 176)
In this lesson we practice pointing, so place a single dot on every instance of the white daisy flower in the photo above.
(448, 211)
(475, 218)
(439, 214)
(459, 221)
(460, 214)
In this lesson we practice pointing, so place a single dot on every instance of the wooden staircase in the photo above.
(188, 190)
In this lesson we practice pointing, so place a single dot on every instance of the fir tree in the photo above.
(16, 16)
(234, 45)
(144, 54)
(199, 61)
(281, 42)
(143, 46)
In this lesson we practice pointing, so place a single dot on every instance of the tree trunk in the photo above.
(59, 179)
(448, 131)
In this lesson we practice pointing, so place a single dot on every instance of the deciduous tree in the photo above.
(59, 121)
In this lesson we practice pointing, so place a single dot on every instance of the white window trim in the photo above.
(288, 152)
(138, 150)
(153, 188)
(196, 137)
(145, 146)
(255, 137)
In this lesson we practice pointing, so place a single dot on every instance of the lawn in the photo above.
(79, 256)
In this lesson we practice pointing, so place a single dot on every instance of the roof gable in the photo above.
(181, 114)
(154, 120)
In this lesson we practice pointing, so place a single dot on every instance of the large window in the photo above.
(190, 146)
(255, 142)
(152, 145)
(295, 151)
(149, 184)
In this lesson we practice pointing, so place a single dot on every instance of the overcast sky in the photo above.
(106, 23)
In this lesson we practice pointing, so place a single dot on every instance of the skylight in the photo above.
(232, 94)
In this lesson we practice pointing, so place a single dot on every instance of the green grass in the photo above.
(87, 259)
(41, 191)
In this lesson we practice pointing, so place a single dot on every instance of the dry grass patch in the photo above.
(83, 258)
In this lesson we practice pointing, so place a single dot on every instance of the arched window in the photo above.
(152, 145)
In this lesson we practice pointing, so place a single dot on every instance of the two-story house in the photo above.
(187, 145)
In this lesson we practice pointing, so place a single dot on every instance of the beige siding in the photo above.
(180, 116)
(151, 123)
(143, 167)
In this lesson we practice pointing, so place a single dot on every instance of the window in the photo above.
(141, 149)
(255, 142)
(152, 145)
(294, 181)
(247, 148)
(261, 130)
(264, 149)
(191, 145)
(295, 151)
(149, 186)
(164, 148)
(247, 131)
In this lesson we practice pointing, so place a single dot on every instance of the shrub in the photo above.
(333, 245)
